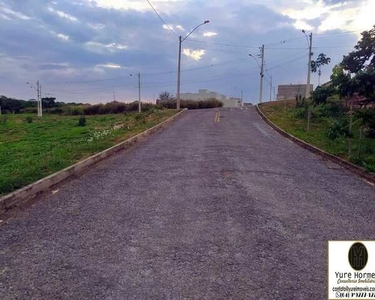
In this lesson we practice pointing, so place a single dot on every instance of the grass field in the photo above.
(282, 113)
(31, 151)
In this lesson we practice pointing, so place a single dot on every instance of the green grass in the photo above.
(31, 151)
(282, 113)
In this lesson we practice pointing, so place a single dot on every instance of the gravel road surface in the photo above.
(210, 208)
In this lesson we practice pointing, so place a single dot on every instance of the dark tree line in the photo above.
(355, 75)
(11, 105)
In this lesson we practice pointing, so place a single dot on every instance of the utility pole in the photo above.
(261, 75)
(241, 98)
(270, 88)
(320, 74)
(114, 96)
(179, 72)
(38, 97)
(139, 93)
(274, 93)
(180, 40)
(40, 101)
(309, 67)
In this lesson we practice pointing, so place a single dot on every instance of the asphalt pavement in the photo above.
(210, 208)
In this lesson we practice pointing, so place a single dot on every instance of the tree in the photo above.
(318, 63)
(364, 54)
(49, 102)
(356, 73)
(321, 94)
(341, 81)
(165, 96)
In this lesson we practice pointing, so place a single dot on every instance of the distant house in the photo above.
(204, 94)
(290, 91)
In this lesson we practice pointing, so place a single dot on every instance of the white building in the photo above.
(206, 94)
(290, 91)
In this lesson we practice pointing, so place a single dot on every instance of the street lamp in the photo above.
(39, 96)
(309, 44)
(179, 61)
(139, 92)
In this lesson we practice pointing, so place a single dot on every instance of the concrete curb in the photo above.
(342, 162)
(30, 191)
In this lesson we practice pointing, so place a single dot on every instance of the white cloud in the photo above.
(97, 26)
(110, 66)
(102, 48)
(5, 17)
(126, 4)
(194, 54)
(63, 36)
(8, 12)
(299, 24)
(63, 15)
(166, 27)
(352, 16)
(179, 27)
(358, 18)
(60, 35)
(209, 34)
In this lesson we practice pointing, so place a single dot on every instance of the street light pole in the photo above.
(309, 42)
(40, 101)
(271, 89)
(139, 93)
(261, 75)
(180, 40)
(179, 73)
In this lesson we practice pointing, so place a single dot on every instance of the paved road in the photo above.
(202, 210)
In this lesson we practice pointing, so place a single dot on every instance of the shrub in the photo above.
(3, 120)
(321, 94)
(29, 119)
(82, 121)
(301, 112)
(338, 129)
(192, 104)
(300, 102)
(55, 110)
(141, 117)
(367, 117)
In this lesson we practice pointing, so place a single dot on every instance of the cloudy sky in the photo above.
(84, 50)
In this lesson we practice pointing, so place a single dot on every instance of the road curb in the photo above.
(344, 163)
(24, 194)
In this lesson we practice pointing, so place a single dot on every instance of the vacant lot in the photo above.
(285, 115)
(31, 149)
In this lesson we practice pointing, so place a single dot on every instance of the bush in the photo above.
(300, 102)
(338, 129)
(141, 117)
(367, 117)
(82, 121)
(55, 111)
(192, 104)
(301, 112)
(29, 119)
(321, 95)
(3, 120)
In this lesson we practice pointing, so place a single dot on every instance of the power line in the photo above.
(287, 62)
(151, 74)
(222, 44)
(170, 29)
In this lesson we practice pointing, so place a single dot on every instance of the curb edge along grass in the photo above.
(370, 177)
(30, 191)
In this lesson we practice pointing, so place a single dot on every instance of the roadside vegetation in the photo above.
(167, 100)
(32, 148)
(340, 115)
